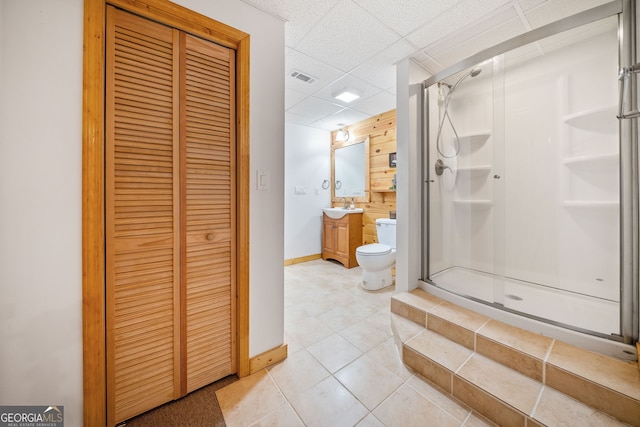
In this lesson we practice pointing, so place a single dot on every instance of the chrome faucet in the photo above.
(346, 205)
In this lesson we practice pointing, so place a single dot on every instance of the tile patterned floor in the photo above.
(343, 368)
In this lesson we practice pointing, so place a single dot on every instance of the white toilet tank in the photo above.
(386, 231)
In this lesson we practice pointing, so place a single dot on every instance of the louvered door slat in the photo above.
(142, 216)
(209, 211)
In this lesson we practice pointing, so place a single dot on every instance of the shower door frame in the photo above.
(628, 134)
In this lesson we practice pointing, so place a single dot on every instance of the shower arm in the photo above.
(623, 76)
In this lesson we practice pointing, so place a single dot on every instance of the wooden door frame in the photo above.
(93, 183)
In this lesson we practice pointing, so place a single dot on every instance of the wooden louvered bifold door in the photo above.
(209, 210)
(170, 218)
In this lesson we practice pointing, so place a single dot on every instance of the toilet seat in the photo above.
(374, 249)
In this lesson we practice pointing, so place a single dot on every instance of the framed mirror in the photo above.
(350, 170)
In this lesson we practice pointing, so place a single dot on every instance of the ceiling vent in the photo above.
(302, 76)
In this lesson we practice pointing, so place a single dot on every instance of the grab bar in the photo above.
(625, 73)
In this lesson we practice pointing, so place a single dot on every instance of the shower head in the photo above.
(473, 73)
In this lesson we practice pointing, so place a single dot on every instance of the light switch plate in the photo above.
(262, 180)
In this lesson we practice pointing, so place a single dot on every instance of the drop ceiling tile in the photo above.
(300, 15)
(554, 10)
(342, 118)
(323, 73)
(377, 104)
(431, 65)
(298, 119)
(529, 4)
(457, 38)
(406, 15)
(292, 97)
(380, 70)
(346, 37)
(483, 41)
(314, 107)
(454, 19)
(577, 35)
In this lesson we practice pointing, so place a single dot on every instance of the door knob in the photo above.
(209, 236)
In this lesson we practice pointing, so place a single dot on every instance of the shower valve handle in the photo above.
(440, 167)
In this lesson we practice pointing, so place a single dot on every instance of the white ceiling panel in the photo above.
(380, 70)
(483, 41)
(405, 16)
(356, 43)
(456, 39)
(553, 10)
(381, 102)
(300, 15)
(342, 118)
(454, 20)
(314, 107)
(292, 97)
(346, 37)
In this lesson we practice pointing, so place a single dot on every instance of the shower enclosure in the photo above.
(530, 193)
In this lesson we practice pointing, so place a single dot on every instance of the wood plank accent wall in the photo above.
(381, 130)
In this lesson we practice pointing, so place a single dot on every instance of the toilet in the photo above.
(377, 259)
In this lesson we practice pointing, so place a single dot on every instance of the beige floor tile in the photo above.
(486, 404)
(509, 386)
(406, 408)
(370, 421)
(614, 374)
(329, 404)
(403, 328)
(387, 355)
(334, 352)
(249, 399)
(284, 416)
(557, 409)
(297, 373)
(369, 332)
(522, 340)
(438, 398)
(446, 353)
(477, 421)
(306, 330)
(369, 382)
(340, 318)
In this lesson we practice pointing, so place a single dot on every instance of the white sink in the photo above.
(337, 213)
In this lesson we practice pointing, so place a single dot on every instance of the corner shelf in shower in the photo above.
(474, 137)
(592, 204)
(602, 119)
(473, 203)
(475, 171)
(605, 160)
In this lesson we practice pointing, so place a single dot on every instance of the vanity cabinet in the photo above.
(341, 237)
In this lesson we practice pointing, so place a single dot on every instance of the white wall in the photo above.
(307, 165)
(40, 193)
(40, 204)
(408, 204)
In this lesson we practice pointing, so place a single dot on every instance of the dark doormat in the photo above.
(199, 408)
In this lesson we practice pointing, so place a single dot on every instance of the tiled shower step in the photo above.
(455, 348)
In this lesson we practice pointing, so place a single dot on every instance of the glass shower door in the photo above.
(524, 180)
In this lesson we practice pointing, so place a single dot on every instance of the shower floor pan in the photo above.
(575, 311)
